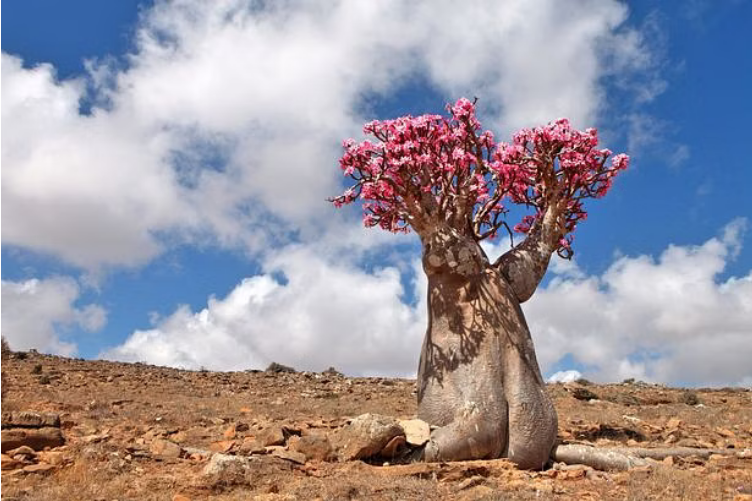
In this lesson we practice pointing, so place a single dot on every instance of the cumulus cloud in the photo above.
(305, 310)
(36, 312)
(668, 319)
(224, 124)
(564, 376)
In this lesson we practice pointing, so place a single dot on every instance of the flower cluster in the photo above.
(431, 169)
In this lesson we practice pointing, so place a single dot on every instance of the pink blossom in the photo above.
(451, 159)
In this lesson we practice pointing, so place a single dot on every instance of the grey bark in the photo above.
(479, 379)
(623, 458)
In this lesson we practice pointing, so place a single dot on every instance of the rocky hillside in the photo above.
(95, 430)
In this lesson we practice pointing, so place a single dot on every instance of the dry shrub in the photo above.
(6, 351)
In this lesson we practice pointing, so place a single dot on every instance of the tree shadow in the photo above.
(473, 309)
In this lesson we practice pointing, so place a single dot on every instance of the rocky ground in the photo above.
(94, 430)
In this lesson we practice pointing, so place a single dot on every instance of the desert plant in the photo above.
(478, 381)
(6, 351)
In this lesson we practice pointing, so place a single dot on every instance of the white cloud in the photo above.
(89, 190)
(564, 376)
(306, 311)
(36, 312)
(225, 126)
(669, 320)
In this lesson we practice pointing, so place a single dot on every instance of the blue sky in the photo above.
(165, 165)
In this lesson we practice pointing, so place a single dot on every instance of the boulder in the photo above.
(36, 438)
(366, 436)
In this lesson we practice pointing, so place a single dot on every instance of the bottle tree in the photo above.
(479, 381)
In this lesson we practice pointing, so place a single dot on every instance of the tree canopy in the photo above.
(431, 170)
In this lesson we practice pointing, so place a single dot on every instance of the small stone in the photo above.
(295, 457)
(668, 461)
(8, 463)
(470, 482)
(251, 446)
(38, 468)
(180, 497)
(164, 449)
(179, 437)
(573, 474)
(273, 435)
(230, 433)
(745, 454)
(55, 458)
(315, 447)
(674, 423)
(24, 450)
(222, 446)
(417, 431)
(221, 464)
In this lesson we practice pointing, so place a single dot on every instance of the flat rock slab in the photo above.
(30, 420)
(294, 456)
(36, 438)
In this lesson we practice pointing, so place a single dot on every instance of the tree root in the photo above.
(624, 458)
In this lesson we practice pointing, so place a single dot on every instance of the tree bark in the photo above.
(479, 379)
(624, 458)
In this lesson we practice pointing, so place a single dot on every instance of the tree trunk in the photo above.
(479, 380)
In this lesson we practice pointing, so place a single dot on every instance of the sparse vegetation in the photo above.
(690, 398)
(6, 351)
(583, 394)
(275, 367)
(110, 427)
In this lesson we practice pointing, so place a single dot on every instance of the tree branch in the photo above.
(624, 458)
(525, 265)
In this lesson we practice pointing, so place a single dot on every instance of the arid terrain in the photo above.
(139, 432)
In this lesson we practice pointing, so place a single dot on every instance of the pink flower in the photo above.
(449, 159)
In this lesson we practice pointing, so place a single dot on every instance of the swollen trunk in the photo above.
(479, 379)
